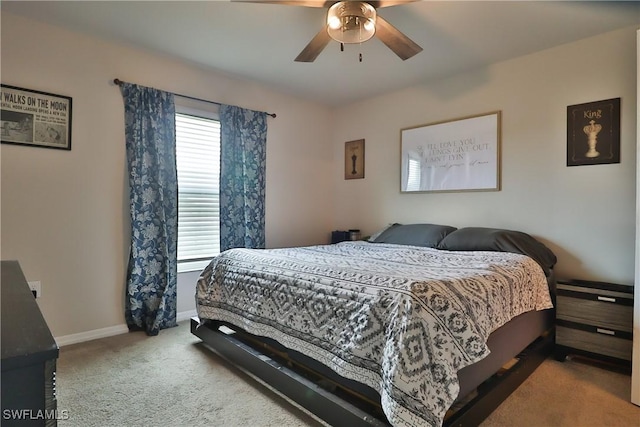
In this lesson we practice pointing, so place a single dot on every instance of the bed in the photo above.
(415, 318)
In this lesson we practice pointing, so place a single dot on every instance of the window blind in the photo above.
(198, 167)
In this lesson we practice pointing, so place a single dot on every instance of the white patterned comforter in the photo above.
(400, 319)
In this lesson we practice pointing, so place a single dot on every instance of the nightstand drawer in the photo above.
(594, 342)
(598, 312)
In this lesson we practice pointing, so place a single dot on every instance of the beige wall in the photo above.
(585, 214)
(64, 213)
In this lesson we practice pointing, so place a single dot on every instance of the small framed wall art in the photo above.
(354, 159)
(30, 117)
(593, 133)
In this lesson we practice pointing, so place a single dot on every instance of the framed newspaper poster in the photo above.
(30, 117)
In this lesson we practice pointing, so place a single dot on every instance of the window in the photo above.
(198, 165)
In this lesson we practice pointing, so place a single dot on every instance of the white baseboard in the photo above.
(110, 331)
(186, 315)
(91, 335)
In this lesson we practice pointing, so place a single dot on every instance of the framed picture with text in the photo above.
(453, 155)
(30, 117)
(593, 133)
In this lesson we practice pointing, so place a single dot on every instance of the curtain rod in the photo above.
(119, 82)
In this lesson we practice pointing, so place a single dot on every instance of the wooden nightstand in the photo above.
(594, 319)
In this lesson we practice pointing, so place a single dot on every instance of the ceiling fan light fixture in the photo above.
(351, 21)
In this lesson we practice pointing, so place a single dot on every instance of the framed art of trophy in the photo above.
(593, 133)
(354, 159)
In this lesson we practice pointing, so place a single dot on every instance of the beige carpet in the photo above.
(174, 380)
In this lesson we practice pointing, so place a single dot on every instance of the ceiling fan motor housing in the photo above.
(351, 21)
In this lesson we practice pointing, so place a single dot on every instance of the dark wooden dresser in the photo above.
(29, 355)
(594, 319)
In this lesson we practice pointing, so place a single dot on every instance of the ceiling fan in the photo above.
(352, 21)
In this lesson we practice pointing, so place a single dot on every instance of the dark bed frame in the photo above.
(343, 402)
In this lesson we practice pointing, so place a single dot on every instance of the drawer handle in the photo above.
(605, 331)
(607, 299)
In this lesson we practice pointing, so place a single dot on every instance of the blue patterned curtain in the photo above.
(153, 186)
(243, 139)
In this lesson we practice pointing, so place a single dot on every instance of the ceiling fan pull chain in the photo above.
(341, 47)
(359, 44)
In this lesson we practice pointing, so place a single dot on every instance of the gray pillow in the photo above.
(428, 235)
(499, 240)
(375, 235)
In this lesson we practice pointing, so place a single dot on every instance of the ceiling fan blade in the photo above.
(325, 3)
(315, 46)
(388, 3)
(307, 3)
(400, 44)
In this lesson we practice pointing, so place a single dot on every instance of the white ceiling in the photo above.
(260, 41)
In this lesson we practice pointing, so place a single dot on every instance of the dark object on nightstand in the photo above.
(338, 236)
(594, 319)
(29, 355)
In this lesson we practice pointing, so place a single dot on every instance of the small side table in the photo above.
(594, 319)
